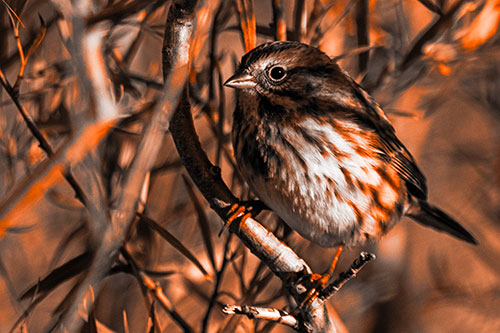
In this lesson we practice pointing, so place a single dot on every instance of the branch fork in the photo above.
(317, 300)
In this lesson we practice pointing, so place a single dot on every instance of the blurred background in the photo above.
(433, 65)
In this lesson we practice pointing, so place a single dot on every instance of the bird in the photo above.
(320, 152)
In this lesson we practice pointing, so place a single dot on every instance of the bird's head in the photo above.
(279, 70)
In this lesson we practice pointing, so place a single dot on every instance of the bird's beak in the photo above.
(241, 81)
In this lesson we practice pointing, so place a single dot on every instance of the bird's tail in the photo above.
(434, 217)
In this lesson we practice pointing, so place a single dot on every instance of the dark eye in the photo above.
(277, 73)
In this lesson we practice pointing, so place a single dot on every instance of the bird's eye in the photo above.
(277, 73)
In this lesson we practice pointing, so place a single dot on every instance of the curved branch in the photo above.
(289, 267)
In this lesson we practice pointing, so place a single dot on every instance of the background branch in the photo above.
(90, 100)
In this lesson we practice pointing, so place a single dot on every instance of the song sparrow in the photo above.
(320, 152)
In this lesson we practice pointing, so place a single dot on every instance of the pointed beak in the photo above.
(241, 81)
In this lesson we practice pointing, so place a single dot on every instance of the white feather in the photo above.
(307, 207)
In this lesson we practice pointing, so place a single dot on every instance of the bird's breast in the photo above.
(322, 176)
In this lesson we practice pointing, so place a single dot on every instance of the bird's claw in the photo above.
(317, 282)
(242, 211)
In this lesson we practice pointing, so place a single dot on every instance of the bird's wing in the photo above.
(394, 150)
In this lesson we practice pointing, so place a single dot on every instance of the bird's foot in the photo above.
(242, 211)
(319, 281)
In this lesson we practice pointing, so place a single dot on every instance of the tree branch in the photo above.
(356, 266)
(271, 314)
(283, 262)
(289, 267)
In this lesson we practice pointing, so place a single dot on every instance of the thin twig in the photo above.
(429, 33)
(44, 144)
(270, 314)
(218, 281)
(362, 33)
(356, 266)
(244, 9)
(279, 20)
(300, 20)
(317, 37)
(157, 291)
